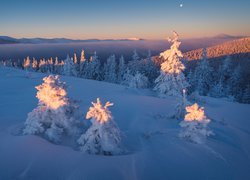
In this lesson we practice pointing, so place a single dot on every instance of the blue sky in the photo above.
(150, 19)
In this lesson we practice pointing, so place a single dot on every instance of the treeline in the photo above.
(225, 80)
(135, 73)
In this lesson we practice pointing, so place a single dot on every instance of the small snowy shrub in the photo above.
(103, 137)
(56, 115)
(194, 126)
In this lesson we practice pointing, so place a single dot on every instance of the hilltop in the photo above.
(151, 137)
(235, 47)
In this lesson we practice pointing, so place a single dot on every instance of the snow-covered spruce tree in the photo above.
(121, 70)
(27, 63)
(171, 81)
(82, 59)
(134, 64)
(138, 81)
(217, 90)
(246, 95)
(43, 68)
(103, 137)
(69, 67)
(127, 77)
(149, 69)
(77, 64)
(82, 64)
(203, 75)
(191, 79)
(194, 126)
(234, 83)
(35, 65)
(56, 115)
(92, 69)
(180, 109)
(110, 70)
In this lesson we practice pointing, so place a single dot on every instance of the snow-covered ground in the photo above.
(151, 138)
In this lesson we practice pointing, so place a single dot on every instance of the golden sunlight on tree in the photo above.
(52, 92)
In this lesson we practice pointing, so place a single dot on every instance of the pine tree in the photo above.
(191, 79)
(149, 69)
(180, 109)
(75, 59)
(171, 81)
(83, 64)
(224, 74)
(43, 66)
(110, 70)
(50, 65)
(138, 81)
(246, 95)
(217, 90)
(27, 64)
(134, 65)
(234, 83)
(203, 74)
(35, 65)
(56, 115)
(194, 126)
(127, 78)
(69, 67)
(93, 68)
(121, 70)
(83, 59)
(103, 137)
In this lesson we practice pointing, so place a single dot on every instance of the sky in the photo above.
(103, 19)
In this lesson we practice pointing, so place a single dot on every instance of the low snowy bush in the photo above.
(194, 126)
(103, 137)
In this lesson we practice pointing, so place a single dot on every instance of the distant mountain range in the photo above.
(10, 40)
(188, 42)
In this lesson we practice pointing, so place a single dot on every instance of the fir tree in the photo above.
(110, 70)
(203, 75)
(149, 69)
(83, 64)
(180, 109)
(56, 115)
(103, 137)
(69, 67)
(234, 83)
(134, 64)
(171, 81)
(246, 95)
(138, 81)
(194, 126)
(217, 90)
(94, 68)
(121, 69)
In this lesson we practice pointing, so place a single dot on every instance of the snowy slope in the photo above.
(151, 138)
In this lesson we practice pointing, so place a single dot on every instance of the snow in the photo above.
(155, 150)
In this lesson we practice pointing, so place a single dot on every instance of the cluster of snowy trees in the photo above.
(57, 117)
(136, 73)
(225, 81)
